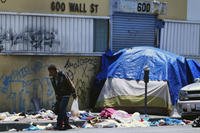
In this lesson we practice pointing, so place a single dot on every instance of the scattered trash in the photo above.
(12, 130)
(107, 118)
(187, 122)
(107, 123)
(170, 121)
(47, 114)
(121, 116)
(4, 115)
(49, 127)
(154, 123)
(196, 122)
(107, 112)
(31, 128)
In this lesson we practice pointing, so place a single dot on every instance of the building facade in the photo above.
(180, 34)
(72, 34)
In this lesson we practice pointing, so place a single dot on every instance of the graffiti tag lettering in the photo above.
(36, 38)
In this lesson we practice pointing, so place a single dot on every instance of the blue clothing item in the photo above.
(31, 128)
(62, 105)
(170, 121)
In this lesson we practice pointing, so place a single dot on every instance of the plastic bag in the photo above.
(75, 108)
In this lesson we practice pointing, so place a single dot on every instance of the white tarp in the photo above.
(130, 93)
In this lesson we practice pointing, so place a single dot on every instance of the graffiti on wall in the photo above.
(20, 85)
(37, 39)
(82, 71)
(26, 82)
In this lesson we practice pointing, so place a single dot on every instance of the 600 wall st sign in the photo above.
(71, 7)
(74, 7)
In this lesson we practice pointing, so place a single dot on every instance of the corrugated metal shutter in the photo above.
(181, 37)
(130, 29)
(46, 34)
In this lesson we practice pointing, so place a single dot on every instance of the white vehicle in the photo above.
(189, 100)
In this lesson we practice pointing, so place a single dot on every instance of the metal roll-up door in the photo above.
(20, 33)
(131, 29)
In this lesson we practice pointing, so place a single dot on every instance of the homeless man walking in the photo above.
(63, 88)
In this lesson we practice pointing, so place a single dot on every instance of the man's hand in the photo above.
(74, 95)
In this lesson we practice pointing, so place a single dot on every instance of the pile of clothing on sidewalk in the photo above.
(110, 117)
(107, 118)
(41, 114)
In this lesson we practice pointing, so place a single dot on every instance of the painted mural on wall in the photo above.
(27, 82)
(37, 39)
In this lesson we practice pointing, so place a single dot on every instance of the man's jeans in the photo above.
(62, 105)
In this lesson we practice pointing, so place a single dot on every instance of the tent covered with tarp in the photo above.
(124, 87)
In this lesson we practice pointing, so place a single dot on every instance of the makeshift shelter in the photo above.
(124, 87)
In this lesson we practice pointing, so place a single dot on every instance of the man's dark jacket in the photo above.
(63, 86)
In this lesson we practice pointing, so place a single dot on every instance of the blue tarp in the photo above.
(129, 64)
(194, 68)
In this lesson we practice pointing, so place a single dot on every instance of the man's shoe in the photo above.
(58, 128)
(67, 126)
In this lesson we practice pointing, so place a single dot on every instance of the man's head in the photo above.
(52, 70)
